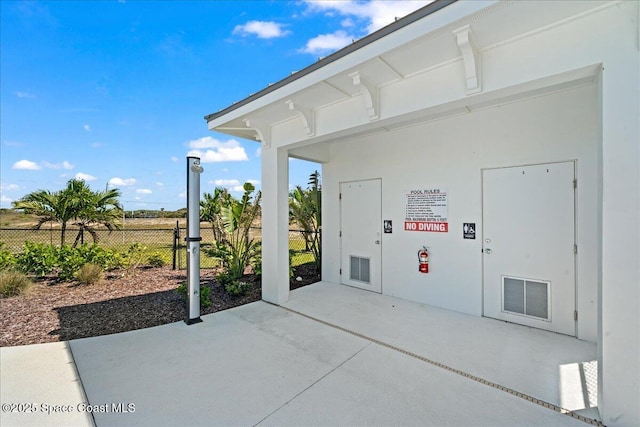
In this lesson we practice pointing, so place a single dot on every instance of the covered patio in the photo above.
(332, 355)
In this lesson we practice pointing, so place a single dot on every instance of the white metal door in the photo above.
(361, 218)
(529, 245)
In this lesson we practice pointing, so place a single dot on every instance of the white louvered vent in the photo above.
(526, 297)
(359, 269)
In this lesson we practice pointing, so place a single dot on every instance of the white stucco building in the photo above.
(519, 121)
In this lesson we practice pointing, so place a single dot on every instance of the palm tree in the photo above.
(98, 208)
(211, 209)
(76, 202)
(305, 210)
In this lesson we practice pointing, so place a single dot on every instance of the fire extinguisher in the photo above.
(423, 260)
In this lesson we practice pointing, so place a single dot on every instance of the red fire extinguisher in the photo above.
(423, 260)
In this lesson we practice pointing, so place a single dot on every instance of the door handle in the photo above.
(377, 242)
(487, 251)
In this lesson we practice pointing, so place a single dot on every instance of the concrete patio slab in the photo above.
(363, 362)
(235, 368)
(524, 359)
(39, 386)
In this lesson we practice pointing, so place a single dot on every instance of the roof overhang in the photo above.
(442, 33)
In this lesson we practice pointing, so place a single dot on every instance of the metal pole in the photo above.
(193, 239)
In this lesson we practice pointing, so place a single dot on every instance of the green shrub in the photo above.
(37, 258)
(134, 257)
(224, 278)
(89, 274)
(7, 259)
(13, 283)
(156, 260)
(237, 288)
(205, 294)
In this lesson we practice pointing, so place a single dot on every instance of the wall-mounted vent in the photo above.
(359, 269)
(526, 297)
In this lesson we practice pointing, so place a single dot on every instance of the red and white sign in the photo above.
(441, 227)
(427, 210)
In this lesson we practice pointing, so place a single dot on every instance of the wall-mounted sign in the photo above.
(469, 230)
(388, 226)
(427, 210)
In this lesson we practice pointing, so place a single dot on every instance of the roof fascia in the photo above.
(350, 56)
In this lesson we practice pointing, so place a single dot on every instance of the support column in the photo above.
(275, 225)
(619, 321)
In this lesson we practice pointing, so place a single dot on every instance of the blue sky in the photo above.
(114, 92)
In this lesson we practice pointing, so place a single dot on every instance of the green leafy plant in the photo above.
(89, 274)
(13, 283)
(205, 294)
(237, 248)
(134, 257)
(8, 260)
(37, 258)
(156, 260)
(237, 288)
(305, 209)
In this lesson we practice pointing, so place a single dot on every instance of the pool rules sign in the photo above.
(427, 210)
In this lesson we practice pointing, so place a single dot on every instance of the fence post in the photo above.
(176, 238)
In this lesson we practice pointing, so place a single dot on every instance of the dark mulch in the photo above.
(55, 311)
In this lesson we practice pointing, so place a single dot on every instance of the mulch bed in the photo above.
(60, 311)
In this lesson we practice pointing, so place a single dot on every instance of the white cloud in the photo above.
(5, 200)
(120, 182)
(371, 15)
(174, 159)
(25, 95)
(325, 43)
(231, 184)
(143, 191)
(85, 177)
(182, 195)
(87, 128)
(216, 150)
(160, 184)
(26, 165)
(64, 165)
(9, 187)
(261, 29)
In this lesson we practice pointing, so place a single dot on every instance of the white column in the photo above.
(619, 332)
(275, 225)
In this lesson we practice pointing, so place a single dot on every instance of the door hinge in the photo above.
(340, 234)
(341, 272)
(575, 183)
(575, 315)
(575, 249)
(339, 196)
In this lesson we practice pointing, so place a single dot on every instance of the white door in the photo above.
(360, 228)
(528, 245)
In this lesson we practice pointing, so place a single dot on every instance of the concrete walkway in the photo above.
(363, 360)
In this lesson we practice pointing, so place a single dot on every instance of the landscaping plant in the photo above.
(305, 209)
(89, 274)
(237, 248)
(76, 204)
(13, 283)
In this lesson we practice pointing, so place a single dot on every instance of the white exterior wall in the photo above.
(603, 136)
(450, 154)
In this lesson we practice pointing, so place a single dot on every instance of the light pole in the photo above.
(193, 240)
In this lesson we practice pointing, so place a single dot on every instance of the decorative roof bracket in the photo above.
(262, 131)
(370, 95)
(306, 115)
(471, 58)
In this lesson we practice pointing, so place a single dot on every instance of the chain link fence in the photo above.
(168, 243)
